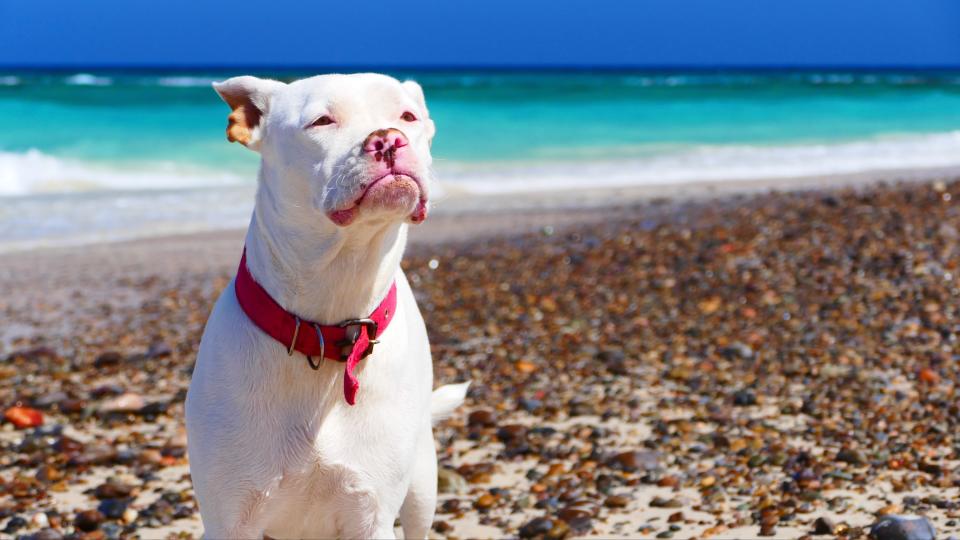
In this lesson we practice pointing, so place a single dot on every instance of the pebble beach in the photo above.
(774, 365)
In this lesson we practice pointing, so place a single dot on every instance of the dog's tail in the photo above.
(446, 399)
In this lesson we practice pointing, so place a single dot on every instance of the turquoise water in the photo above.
(106, 132)
(176, 118)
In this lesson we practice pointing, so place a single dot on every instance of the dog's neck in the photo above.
(314, 269)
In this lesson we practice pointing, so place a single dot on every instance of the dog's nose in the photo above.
(383, 144)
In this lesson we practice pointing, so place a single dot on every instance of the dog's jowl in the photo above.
(310, 410)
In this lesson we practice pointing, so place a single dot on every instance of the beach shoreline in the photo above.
(460, 215)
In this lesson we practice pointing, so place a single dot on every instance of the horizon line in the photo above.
(481, 67)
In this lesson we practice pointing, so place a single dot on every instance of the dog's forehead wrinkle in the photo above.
(337, 89)
(312, 106)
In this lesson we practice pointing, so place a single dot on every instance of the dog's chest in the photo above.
(315, 501)
(327, 482)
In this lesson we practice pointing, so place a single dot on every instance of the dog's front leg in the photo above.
(416, 514)
(239, 517)
(359, 526)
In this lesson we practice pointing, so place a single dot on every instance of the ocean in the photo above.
(94, 156)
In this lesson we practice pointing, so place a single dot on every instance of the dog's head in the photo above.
(356, 147)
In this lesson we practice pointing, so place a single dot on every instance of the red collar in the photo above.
(349, 341)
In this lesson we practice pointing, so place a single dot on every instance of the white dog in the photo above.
(301, 423)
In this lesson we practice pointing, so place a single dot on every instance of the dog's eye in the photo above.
(408, 117)
(323, 121)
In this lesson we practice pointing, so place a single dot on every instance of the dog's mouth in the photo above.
(393, 192)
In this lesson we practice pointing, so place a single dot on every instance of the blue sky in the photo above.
(492, 32)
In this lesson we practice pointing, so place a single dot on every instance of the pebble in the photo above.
(661, 502)
(930, 468)
(39, 520)
(634, 461)
(159, 513)
(512, 433)
(668, 481)
(111, 531)
(93, 455)
(23, 417)
(113, 508)
(152, 456)
(108, 359)
(581, 526)
(485, 502)
(476, 473)
(744, 398)
(182, 511)
(529, 405)
(158, 349)
(616, 501)
(823, 525)
(895, 527)
(482, 418)
(450, 506)
(124, 403)
(450, 481)
(88, 520)
(50, 399)
(46, 534)
(129, 516)
(889, 509)
(547, 503)
(113, 489)
(571, 513)
(928, 376)
(559, 531)
(14, 524)
(72, 406)
(854, 457)
(536, 527)
(48, 474)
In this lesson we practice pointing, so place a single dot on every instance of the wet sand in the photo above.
(706, 367)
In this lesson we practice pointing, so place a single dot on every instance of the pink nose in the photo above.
(384, 144)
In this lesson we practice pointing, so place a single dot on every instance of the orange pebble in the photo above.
(929, 376)
(525, 367)
(24, 417)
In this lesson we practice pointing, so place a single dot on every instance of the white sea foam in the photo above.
(186, 81)
(717, 163)
(88, 79)
(9, 80)
(34, 172)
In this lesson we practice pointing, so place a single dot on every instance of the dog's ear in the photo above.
(416, 92)
(249, 97)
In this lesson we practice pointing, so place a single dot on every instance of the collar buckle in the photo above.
(351, 338)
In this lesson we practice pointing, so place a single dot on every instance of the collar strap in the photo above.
(349, 341)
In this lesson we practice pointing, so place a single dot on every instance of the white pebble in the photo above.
(40, 520)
